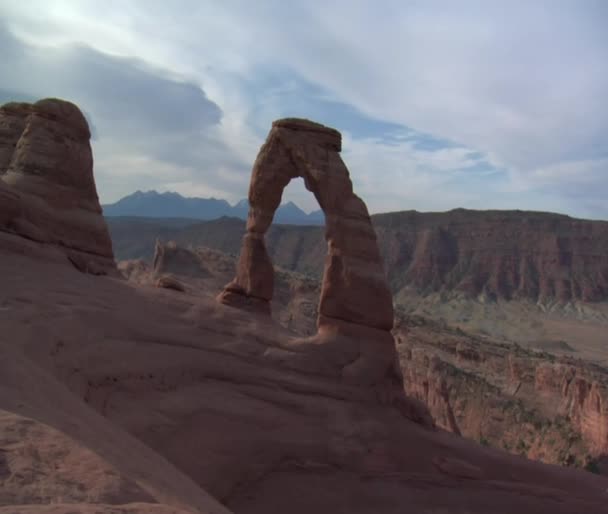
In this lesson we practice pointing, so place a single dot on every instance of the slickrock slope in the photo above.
(59, 456)
(355, 305)
(47, 190)
(121, 398)
(95, 357)
(549, 406)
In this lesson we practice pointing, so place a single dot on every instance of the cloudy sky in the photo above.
(442, 104)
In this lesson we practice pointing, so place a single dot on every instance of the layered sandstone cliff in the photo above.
(493, 255)
(583, 399)
(498, 254)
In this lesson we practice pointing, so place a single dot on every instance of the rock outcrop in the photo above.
(355, 300)
(171, 258)
(47, 189)
(354, 285)
(528, 402)
(583, 400)
(202, 272)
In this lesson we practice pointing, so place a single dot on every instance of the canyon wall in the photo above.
(539, 257)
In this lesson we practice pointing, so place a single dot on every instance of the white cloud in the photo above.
(400, 176)
(148, 129)
(522, 83)
(582, 173)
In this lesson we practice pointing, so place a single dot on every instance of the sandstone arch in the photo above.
(354, 288)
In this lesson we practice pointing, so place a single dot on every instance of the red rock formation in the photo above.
(548, 408)
(583, 400)
(355, 302)
(535, 256)
(171, 258)
(47, 190)
(354, 287)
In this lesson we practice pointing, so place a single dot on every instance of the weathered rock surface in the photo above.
(354, 286)
(149, 399)
(583, 399)
(497, 393)
(47, 190)
(355, 303)
(528, 402)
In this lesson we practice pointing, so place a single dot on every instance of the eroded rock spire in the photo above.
(47, 189)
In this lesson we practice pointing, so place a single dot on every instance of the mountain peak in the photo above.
(170, 204)
(151, 193)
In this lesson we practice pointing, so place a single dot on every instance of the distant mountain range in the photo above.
(152, 204)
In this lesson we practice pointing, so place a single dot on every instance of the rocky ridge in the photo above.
(172, 205)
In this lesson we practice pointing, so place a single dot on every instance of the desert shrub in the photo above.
(592, 467)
